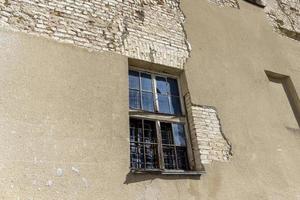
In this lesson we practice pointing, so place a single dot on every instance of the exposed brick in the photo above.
(207, 138)
(150, 30)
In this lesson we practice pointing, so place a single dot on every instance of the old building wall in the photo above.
(65, 126)
(64, 110)
(150, 30)
(231, 51)
(283, 15)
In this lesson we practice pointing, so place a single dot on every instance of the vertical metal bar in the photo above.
(144, 144)
(176, 160)
(174, 146)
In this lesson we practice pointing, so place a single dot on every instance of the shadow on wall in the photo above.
(135, 178)
(293, 130)
(290, 92)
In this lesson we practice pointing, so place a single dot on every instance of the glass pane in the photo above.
(134, 80)
(173, 85)
(149, 132)
(166, 133)
(151, 156)
(148, 101)
(136, 156)
(163, 104)
(136, 131)
(169, 157)
(182, 159)
(175, 105)
(179, 134)
(134, 99)
(146, 82)
(161, 85)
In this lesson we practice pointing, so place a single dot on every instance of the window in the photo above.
(158, 139)
(154, 93)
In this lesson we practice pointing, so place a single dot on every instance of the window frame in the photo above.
(165, 118)
(155, 74)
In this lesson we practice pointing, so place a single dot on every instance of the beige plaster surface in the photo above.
(64, 115)
(64, 130)
(231, 50)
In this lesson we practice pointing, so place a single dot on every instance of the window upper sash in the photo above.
(154, 93)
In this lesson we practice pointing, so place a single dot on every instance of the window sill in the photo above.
(167, 172)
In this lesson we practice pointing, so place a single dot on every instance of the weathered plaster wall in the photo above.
(150, 30)
(226, 70)
(64, 115)
(64, 126)
(284, 15)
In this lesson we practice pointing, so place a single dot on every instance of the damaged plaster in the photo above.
(209, 141)
(149, 30)
(226, 3)
(284, 16)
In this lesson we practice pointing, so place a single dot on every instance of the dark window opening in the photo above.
(144, 145)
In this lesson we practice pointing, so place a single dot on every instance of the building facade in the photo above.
(149, 99)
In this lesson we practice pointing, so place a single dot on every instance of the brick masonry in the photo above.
(208, 141)
(225, 3)
(284, 15)
(150, 30)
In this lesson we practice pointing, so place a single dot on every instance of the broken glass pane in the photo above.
(161, 85)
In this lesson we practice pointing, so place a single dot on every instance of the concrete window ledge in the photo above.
(167, 172)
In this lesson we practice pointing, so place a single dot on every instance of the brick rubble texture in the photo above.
(150, 30)
(225, 3)
(285, 17)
